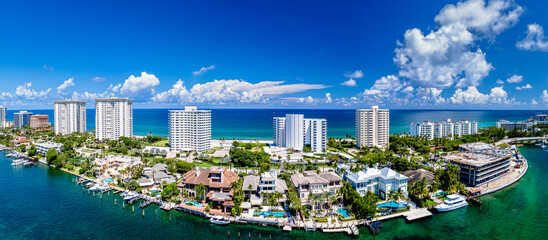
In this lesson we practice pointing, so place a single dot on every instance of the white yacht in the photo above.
(131, 196)
(453, 201)
(219, 220)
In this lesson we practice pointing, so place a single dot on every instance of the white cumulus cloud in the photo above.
(355, 74)
(499, 81)
(544, 97)
(515, 79)
(234, 90)
(203, 70)
(139, 87)
(350, 83)
(473, 96)
(487, 19)
(528, 86)
(68, 83)
(328, 98)
(535, 40)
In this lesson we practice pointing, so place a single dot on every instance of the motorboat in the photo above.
(131, 196)
(90, 184)
(453, 201)
(102, 187)
(219, 220)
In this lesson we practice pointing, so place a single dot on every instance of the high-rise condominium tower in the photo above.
(70, 116)
(190, 130)
(294, 131)
(372, 127)
(113, 118)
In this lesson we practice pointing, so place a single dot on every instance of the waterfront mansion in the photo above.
(268, 182)
(313, 183)
(381, 182)
(217, 185)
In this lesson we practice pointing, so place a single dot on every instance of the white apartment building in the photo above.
(294, 131)
(447, 128)
(279, 131)
(113, 118)
(69, 116)
(190, 130)
(315, 134)
(372, 127)
(2, 115)
(43, 148)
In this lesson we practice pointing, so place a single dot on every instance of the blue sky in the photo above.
(277, 54)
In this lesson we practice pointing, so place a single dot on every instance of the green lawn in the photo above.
(161, 143)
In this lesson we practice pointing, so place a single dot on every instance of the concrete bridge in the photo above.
(529, 140)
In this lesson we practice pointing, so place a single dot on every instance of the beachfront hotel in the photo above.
(381, 182)
(69, 116)
(39, 121)
(294, 131)
(372, 127)
(21, 119)
(113, 118)
(190, 130)
(480, 163)
(310, 182)
(446, 128)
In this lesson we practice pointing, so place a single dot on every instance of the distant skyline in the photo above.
(421, 54)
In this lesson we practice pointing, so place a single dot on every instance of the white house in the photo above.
(378, 181)
(43, 148)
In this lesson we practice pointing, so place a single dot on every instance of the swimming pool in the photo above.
(393, 205)
(440, 194)
(343, 212)
(108, 180)
(275, 214)
(194, 203)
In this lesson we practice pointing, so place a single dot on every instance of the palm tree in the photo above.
(400, 195)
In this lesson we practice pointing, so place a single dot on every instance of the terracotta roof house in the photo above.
(217, 182)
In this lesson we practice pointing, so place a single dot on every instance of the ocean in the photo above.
(43, 203)
(251, 124)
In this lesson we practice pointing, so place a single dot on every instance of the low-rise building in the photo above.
(43, 148)
(481, 163)
(158, 174)
(417, 175)
(268, 182)
(381, 182)
(310, 182)
(509, 126)
(216, 181)
(118, 162)
(39, 121)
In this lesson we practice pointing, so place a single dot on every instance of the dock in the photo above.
(417, 214)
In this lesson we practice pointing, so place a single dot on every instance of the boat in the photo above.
(453, 201)
(131, 196)
(90, 184)
(17, 162)
(103, 187)
(219, 220)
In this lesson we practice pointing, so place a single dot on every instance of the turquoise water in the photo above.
(393, 205)
(257, 123)
(43, 203)
(275, 214)
(194, 203)
(107, 180)
(343, 212)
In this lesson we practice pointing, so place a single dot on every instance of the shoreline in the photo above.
(343, 227)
